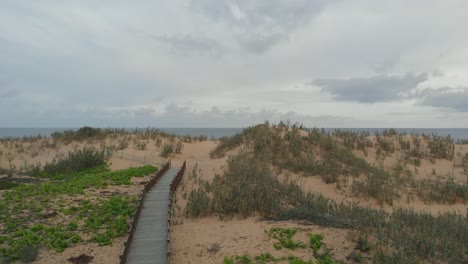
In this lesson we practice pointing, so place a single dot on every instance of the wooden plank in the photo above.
(150, 242)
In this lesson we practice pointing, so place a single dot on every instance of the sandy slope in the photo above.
(192, 239)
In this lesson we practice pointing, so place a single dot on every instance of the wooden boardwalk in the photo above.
(149, 243)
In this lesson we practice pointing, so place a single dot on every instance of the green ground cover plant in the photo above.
(316, 242)
(77, 183)
(284, 237)
(265, 258)
(295, 260)
(25, 211)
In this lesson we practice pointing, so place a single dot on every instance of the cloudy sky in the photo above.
(233, 63)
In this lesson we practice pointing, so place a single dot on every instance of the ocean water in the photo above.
(456, 133)
(47, 131)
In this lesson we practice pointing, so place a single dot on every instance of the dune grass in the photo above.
(248, 187)
(330, 156)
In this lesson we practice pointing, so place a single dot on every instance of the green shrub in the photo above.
(78, 135)
(441, 147)
(6, 184)
(363, 245)
(225, 144)
(377, 184)
(76, 161)
(198, 203)
(178, 148)
(167, 150)
(246, 187)
(430, 191)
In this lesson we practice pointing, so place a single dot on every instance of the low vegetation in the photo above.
(315, 152)
(249, 186)
(75, 161)
(50, 214)
(70, 191)
(169, 149)
(246, 187)
(96, 134)
(284, 237)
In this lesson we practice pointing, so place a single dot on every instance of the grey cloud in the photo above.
(386, 65)
(437, 73)
(380, 88)
(399, 113)
(127, 112)
(446, 97)
(260, 43)
(144, 111)
(273, 20)
(10, 93)
(188, 45)
(5, 90)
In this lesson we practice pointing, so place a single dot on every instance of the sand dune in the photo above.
(197, 240)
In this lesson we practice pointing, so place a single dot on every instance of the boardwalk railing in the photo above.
(174, 184)
(131, 232)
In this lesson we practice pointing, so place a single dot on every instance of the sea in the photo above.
(214, 133)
